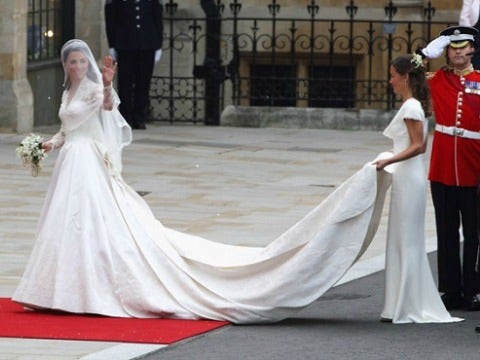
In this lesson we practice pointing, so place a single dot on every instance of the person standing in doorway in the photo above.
(135, 35)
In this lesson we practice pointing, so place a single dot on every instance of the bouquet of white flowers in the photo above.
(31, 153)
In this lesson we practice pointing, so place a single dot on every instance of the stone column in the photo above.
(90, 26)
(16, 99)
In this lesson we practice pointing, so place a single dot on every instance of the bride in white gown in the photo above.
(100, 250)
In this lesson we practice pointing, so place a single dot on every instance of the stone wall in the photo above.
(314, 118)
(16, 101)
(90, 26)
(309, 118)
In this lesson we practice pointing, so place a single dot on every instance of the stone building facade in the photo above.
(30, 90)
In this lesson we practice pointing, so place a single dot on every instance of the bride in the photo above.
(100, 250)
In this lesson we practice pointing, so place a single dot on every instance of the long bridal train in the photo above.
(114, 258)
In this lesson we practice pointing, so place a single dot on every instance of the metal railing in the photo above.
(306, 60)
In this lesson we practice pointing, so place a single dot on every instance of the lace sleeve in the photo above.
(117, 132)
(107, 98)
(58, 139)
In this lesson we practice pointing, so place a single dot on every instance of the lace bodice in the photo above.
(83, 107)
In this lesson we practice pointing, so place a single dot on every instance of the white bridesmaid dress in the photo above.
(410, 291)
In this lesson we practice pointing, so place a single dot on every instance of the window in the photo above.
(331, 87)
(292, 85)
(50, 24)
(273, 85)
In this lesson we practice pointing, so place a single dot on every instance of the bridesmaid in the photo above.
(410, 291)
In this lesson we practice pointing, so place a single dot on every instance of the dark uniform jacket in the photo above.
(134, 25)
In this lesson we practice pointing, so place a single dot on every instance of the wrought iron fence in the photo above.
(305, 60)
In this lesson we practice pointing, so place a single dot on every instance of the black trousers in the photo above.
(135, 70)
(455, 206)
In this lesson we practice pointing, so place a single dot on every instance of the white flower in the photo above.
(417, 60)
(31, 153)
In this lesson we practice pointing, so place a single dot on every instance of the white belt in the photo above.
(455, 131)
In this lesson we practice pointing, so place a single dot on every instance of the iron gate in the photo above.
(308, 60)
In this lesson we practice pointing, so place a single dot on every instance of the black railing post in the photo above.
(429, 13)
(232, 67)
(171, 8)
(195, 28)
(312, 10)
(212, 70)
(371, 32)
(274, 9)
(390, 12)
(253, 78)
(352, 12)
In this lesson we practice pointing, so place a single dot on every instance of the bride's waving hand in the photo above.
(108, 72)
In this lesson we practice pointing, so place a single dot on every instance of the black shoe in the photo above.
(453, 300)
(138, 126)
(477, 328)
(472, 303)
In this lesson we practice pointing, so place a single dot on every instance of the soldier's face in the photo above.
(460, 58)
(76, 65)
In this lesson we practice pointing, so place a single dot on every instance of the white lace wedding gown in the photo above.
(410, 291)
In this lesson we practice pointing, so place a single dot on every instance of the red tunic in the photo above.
(455, 160)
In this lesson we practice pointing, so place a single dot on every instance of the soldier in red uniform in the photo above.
(455, 165)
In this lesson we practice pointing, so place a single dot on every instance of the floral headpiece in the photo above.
(417, 60)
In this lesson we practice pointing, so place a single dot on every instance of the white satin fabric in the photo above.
(410, 291)
(100, 250)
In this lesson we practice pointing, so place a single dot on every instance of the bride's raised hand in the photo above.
(108, 71)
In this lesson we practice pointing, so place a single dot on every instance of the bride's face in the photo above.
(76, 66)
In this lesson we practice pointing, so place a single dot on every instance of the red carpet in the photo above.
(20, 323)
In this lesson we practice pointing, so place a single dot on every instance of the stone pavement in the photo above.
(235, 185)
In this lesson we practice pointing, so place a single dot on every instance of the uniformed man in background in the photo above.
(135, 34)
(455, 165)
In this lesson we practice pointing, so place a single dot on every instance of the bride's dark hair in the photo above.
(408, 64)
(91, 74)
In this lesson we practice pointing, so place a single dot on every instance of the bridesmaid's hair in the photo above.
(417, 79)
(90, 72)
